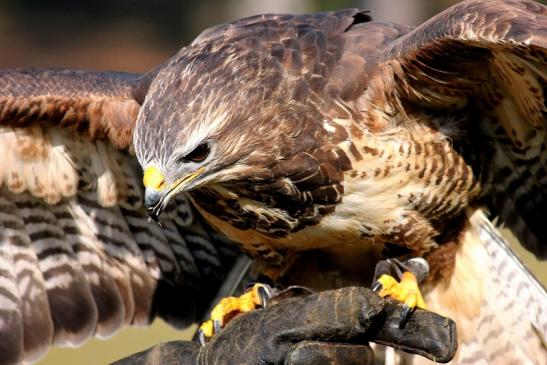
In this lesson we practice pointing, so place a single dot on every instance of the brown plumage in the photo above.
(332, 132)
(335, 134)
(362, 131)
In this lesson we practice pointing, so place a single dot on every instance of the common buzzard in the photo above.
(290, 133)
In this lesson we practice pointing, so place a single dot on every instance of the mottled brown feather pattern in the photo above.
(322, 89)
(328, 132)
(99, 104)
(298, 62)
(332, 131)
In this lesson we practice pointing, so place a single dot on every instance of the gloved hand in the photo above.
(330, 327)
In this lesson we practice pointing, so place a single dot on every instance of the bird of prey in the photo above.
(293, 135)
(333, 132)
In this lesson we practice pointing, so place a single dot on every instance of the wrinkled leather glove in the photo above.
(330, 327)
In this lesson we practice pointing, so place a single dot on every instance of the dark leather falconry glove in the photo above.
(330, 327)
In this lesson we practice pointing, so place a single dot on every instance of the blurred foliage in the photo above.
(336, 4)
(56, 16)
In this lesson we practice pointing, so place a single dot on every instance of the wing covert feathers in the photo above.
(98, 104)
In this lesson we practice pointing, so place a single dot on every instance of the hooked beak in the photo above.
(157, 194)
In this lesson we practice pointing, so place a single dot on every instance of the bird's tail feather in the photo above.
(500, 308)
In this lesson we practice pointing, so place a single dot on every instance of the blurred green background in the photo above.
(136, 35)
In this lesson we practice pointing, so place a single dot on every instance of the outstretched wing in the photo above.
(478, 72)
(77, 255)
(480, 69)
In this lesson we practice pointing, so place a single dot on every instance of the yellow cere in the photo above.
(153, 178)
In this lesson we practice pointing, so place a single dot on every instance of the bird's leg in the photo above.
(256, 296)
(406, 290)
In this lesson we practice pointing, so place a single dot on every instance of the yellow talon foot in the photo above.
(230, 307)
(411, 272)
(405, 291)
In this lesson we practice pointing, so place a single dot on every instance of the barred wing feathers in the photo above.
(77, 255)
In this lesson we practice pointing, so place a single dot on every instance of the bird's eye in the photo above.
(199, 153)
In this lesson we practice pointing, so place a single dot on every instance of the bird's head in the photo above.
(213, 114)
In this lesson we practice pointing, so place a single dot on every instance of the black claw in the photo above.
(405, 315)
(201, 337)
(264, 295)
(216, 326)
(377, 287)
